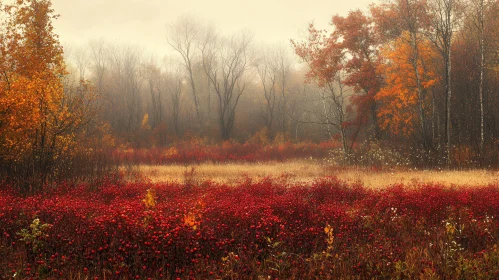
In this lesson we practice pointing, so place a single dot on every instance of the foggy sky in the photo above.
(143, 22)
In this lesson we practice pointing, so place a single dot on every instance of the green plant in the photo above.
(34, 235)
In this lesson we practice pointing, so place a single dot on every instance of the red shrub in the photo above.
(261, 228)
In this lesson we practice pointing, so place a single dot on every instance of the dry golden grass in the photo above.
(306, 171)
(418, 177)
(233, 173)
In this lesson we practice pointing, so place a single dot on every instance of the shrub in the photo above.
(254, 230)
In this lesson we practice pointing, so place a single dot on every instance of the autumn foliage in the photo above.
(399, 95)
(31, 88)
(406, 84)
(66, 212)
(42, 118)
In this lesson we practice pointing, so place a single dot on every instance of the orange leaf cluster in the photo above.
(193, 218)
(30, 86)
(400, 93)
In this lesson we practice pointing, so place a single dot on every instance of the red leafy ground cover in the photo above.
(256, 229)
(195, 152)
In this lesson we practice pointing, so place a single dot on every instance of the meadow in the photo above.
(207, 163)
(271, 220)
(306, 171)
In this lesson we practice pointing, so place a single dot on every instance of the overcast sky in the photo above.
(143, 22)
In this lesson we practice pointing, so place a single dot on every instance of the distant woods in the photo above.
(408, 73)
(213, 86)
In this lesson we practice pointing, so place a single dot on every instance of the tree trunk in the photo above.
(422, 120)
(196, 99)
(448, 104)
(482, 51)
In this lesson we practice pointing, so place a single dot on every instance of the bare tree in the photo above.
(334, 98)
(226, 61)
(82, 59)
(153, 76)
(274, 70)
(174, 82)
(99, 61)
(284, 70)
(478, 19)
(330, 111)
(183, 36)
(267, 71)
(126, 82)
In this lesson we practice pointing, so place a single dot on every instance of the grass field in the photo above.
(307, 171)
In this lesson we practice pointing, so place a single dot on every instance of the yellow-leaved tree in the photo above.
(40, 119)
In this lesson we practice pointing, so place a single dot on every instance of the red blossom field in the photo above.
(254, 230)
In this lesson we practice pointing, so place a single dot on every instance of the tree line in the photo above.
(424, 74)
(418, 74)
(215, 86)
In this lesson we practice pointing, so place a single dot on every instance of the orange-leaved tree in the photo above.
(40, 119)
(403, 94)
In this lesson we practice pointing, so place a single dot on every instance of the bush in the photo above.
(255, 230)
